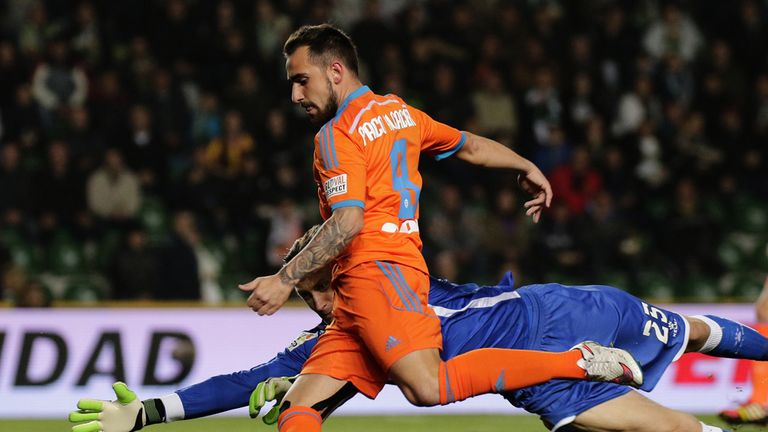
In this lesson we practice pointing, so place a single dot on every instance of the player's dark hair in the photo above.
(325, 42)
(301, 243)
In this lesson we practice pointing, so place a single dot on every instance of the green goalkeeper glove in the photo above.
(272, 389)
(126, 414)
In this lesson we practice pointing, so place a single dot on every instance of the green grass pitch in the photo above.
(443, 423)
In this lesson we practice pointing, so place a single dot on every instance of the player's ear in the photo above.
(337, 72)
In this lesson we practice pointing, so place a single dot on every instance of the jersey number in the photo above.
(661, 333)
(409, 191)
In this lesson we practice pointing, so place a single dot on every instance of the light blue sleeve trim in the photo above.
(458, 147)
(348, 203)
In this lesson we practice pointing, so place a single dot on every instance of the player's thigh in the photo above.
(317, 391)
(416, 375)
(633, 412)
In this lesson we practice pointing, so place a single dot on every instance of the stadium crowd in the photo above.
(149, 149)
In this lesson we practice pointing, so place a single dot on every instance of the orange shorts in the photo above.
(380, 314)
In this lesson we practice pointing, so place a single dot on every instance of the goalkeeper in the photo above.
(546, 317)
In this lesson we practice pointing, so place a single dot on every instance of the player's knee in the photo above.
(699, 333)
(423, 394)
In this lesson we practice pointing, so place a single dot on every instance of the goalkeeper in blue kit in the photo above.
(548, 317)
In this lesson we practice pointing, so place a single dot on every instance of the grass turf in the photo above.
(443, 423)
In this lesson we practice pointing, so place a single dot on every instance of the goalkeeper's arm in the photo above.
(214, 395)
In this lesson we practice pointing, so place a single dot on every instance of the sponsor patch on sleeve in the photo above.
(303, 337)
(335, 186)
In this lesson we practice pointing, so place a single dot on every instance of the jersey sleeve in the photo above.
(438, 139)
(225, 392)
(340, 168)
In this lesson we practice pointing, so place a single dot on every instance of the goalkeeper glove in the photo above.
(126, 414)
(272, 389)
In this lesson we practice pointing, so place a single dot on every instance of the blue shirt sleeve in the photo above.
(225, 392)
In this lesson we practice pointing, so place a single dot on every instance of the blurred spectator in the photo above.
(86, 34)
(272, 29)
(721, 64)
(109, 105)
(22, 121)
(494, 107)
(250, 98)
(750, 35)
(114, 194)
(677, 82)
(618, 178)
(173, 33)
(198, 190)
(135, 268)
(59, 189)
(58, 84)
(141, 148)
(577, 183)
(544, 105)
(448, 103)
(167, 104)
(607, 233)
(286, 225)
(553, 152)
(207, 119)
(636, 107)
(650, 169)
(760, 120)
(688, 237)
(84, 144)
(224, 155)
(13, 73)
(446, 266)
(179, 278)
(675, 33)
(15, 186)
(22, 291)
(582, 106)
(36, 28)
(561, 238)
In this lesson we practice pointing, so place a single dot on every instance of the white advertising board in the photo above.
(51, 358)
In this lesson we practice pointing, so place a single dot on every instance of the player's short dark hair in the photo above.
(301, 243)
(325, 42)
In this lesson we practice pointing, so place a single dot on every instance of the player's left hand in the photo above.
(126, 414)
(268, 294)
(272, 389)
(535, 183)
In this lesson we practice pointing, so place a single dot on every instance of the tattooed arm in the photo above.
(333, 237)
(269, 293)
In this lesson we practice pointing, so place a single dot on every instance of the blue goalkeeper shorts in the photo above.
(562, 316)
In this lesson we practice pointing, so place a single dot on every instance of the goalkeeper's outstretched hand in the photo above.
(272, 389)
(126, 414)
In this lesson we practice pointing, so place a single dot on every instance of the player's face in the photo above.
(311, 86)
(315, 290)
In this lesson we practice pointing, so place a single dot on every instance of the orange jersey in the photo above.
(368, 156)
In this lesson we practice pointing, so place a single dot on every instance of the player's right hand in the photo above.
(126, 414)
(272, 389)
(536, 184)
(268, 294)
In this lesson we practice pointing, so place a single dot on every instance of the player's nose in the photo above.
(296, 94)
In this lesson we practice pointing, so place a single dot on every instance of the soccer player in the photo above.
(545, 316)
(366, 167)
(755, 409)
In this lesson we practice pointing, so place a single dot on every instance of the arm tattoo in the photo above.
(332, 238)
